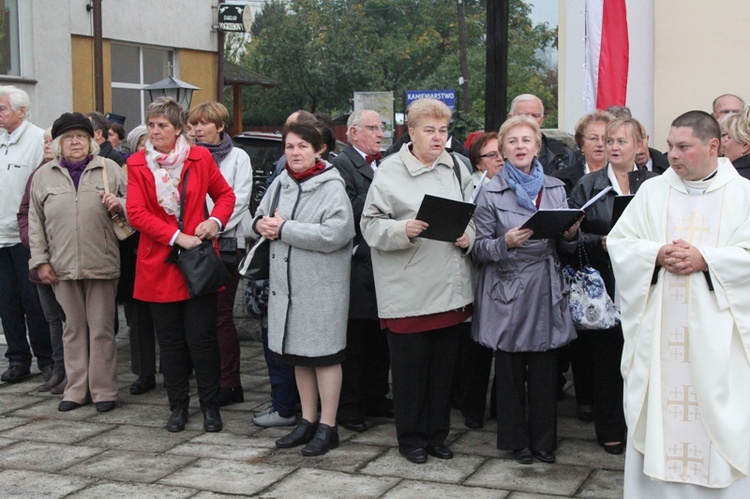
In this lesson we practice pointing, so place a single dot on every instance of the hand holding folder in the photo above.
(549, 224)
(447, 218)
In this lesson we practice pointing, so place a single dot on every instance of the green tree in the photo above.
(321, 51)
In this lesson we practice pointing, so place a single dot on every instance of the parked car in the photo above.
(264, 150)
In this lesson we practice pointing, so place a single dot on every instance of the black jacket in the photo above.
(742, 165)
(107, 151)
(357, 175)
(572, 174)
(598, 221)
(659, 160)
(554, 155)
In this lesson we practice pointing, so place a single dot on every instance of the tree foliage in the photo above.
(321, 51)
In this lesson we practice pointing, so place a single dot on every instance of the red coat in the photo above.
(155, 280)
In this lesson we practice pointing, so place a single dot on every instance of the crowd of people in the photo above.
(358, 290)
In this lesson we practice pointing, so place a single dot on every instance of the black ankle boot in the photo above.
(302, 434)
(228, 396)
(326, 438)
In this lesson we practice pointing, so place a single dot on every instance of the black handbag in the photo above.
(202, 268)
(255, 266)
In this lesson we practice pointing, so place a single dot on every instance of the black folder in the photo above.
(621, 202)
(447, 218)
(549, 224)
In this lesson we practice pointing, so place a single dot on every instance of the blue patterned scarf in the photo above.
(526, 187)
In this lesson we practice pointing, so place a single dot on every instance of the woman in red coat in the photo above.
(185, 327)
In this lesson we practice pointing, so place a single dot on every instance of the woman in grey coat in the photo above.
(311, 232)
(521, 306)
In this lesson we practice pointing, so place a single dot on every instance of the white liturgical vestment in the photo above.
(686, 355)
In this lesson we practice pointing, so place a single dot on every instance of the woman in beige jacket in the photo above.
(74, 249)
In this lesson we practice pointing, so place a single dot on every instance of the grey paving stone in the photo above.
(348, 457)
(229, 439)
(155, 416)
(603, 484)
(4, 442)
(48, 457)
(231, 477)
(479, 443)
(7, 423)
(139, 490)
(62, 432)
(140, 438)
(409, 489)
(438, 470)
(588, 453)
(10, 401)
(47, 409)
(539, 477)
(213, 495)
(130, 466)
(317, 484)
(526, 495)
(157, 396)
(571, 427)
(383, 434)
(24, 483)
(217, 451)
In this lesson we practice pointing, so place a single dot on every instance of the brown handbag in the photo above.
(120, 225)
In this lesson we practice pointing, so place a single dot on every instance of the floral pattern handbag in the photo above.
(590, 305)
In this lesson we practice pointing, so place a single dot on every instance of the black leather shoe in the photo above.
(326, 438)
(302, 434)
(440, 451)
(68, 405)
(544, 456)
(473, 422)
(523, 456)
(585, 413)
(615, 449)
(54, 380)
(15, 373)
(354, 424)
(212, 419)
(47, 371)
(177, 420)
(229, 396)
(416, 456)
(105, 406)
(143, 384)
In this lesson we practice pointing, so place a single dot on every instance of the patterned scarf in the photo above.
(526, 187)
(309, 173)
(221, 150)
(76, 169)
(166, 169)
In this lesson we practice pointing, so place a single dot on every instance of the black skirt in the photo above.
(302, 361)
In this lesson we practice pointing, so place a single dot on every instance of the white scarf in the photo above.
(167, 168)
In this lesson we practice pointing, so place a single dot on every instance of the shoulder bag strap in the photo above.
(275, 202)
(104, 177)
(456, 170)
(182, 199)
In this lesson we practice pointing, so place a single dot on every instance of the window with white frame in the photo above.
(10, 63)
(135, 67)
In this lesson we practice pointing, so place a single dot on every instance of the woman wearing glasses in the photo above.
(68, 206)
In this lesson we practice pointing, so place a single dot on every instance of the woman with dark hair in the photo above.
(311, 233)
(185, 327)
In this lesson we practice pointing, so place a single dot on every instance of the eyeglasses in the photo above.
(374, 128)
(80, 137)
(491, 155)
(595, 138)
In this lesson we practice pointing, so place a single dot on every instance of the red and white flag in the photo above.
(607, 54)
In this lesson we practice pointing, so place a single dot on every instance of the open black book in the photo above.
(447, 218)
(550, 224)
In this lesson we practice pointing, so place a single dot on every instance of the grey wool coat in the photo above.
(521, 302)
(308, 299)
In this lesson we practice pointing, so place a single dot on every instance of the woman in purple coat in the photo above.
(521, 305)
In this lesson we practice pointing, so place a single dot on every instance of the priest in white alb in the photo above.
(681, 256)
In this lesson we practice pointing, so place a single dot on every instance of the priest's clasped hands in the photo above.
(681, 258)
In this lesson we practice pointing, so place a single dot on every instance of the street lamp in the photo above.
(172, 87)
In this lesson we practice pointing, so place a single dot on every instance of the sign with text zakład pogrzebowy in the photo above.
(446, 96)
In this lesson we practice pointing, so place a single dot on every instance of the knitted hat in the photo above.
(71, 121)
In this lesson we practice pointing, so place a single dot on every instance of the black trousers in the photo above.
(581, 361)
(187, 330)
(476, 367)
(609, 419)
(422, 367)
(365, 371)
(142, 340)
(519, 373)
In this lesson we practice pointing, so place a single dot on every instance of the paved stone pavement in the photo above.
(128, 453)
